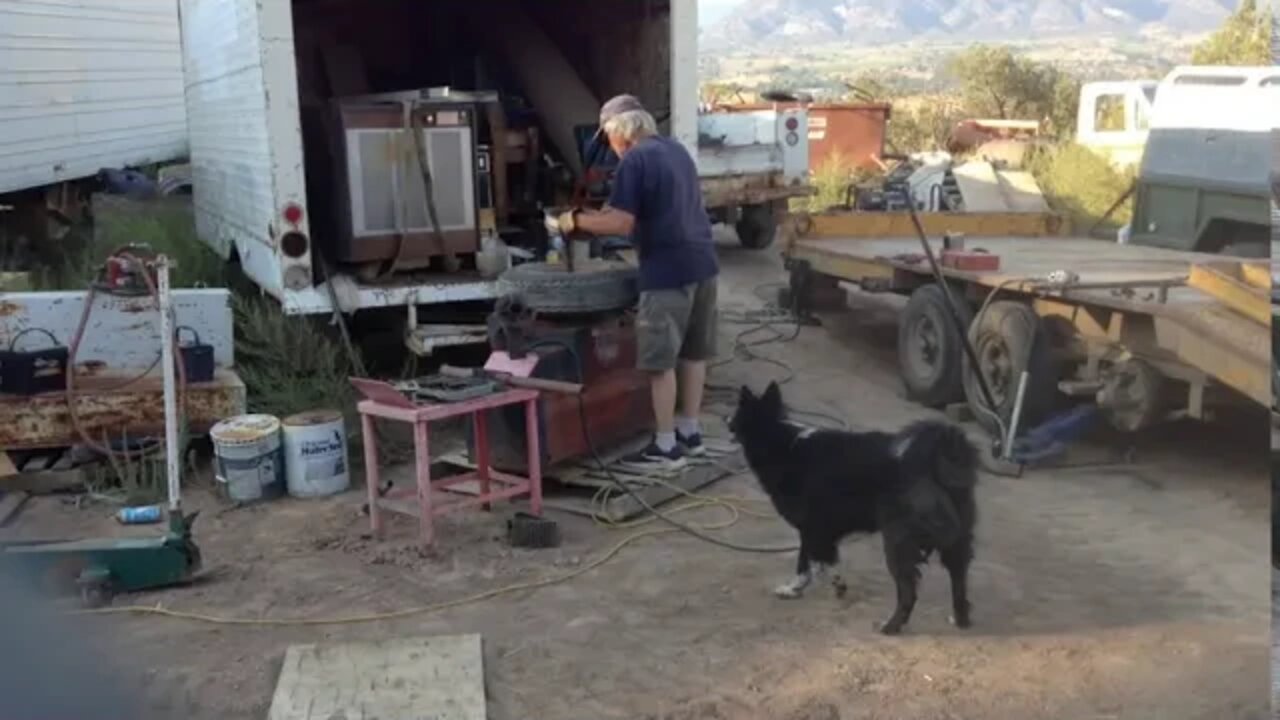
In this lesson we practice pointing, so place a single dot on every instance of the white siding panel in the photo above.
(87, 84)
(246, 142)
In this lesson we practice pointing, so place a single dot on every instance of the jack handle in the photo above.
(555, 386)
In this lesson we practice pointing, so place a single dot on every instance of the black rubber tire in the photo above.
(1000, 338)
(757, 226)
(931, 349)
(553, 289)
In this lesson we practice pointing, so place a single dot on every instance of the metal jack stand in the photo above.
(99, 568)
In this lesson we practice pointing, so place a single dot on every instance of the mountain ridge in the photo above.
(876, 22)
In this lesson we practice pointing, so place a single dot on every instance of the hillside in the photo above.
(759, 23)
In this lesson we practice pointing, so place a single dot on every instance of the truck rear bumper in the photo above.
(738, 190)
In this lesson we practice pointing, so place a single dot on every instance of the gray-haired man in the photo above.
(657, 201)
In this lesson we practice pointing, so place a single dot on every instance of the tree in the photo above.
(1243, 39)
(996, 82)
(715, 93)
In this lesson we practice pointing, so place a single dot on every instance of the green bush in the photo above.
(1082, 185)
(832, 181)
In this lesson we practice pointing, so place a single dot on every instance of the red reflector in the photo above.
(293, 214)
(792, 124)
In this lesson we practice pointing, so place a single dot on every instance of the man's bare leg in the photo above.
(693, 378)
(664, 389)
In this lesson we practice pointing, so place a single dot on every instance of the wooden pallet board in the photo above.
(41, 472)
(441, 678)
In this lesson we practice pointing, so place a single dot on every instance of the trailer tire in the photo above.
(552, 289)
(757, 226)
(1008, 337)
(930, 348)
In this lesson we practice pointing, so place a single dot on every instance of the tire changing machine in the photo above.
(571, 322)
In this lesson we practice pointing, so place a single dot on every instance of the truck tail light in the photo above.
(293, 214)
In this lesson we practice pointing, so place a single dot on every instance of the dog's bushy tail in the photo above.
(940, 451)
(938, 470)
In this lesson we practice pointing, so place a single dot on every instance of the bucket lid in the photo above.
(313, 417)
(245, 429)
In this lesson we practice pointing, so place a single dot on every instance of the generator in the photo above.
(380, 197)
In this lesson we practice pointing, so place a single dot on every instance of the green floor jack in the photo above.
(98, 569)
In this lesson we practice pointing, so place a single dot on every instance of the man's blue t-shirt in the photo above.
(657, 182)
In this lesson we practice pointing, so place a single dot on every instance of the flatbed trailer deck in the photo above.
(1122, 323)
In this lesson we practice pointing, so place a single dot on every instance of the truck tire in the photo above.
(757, 226)
(930, 348)
(1001, 338)
(552, 289)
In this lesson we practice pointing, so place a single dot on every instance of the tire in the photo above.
(757, 226)
(930, 348)
(553, 289)
(1001, 338)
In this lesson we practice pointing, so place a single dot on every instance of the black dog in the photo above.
(915, 487)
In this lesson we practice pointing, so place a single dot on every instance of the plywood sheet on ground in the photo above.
(436, 678)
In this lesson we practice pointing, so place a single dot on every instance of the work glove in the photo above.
(562, 224)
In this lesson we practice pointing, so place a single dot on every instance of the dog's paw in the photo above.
(841, 589)
(787, 591)
(964, 623)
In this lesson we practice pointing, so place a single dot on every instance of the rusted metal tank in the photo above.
(852, 133)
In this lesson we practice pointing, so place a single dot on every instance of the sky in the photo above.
(710, 11)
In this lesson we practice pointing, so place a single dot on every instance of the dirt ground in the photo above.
(1135, 591)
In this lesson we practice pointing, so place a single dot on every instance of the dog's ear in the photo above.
(772, 395)
(745, 396)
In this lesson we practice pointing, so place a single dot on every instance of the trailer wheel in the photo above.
(757, 226)
(1008, 338)
(930, 351)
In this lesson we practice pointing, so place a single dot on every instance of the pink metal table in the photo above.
(385, 402)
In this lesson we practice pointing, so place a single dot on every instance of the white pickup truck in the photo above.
(249, 67)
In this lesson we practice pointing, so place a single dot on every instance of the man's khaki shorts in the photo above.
(674, 325)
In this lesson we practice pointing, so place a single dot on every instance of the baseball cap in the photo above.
(617, 106)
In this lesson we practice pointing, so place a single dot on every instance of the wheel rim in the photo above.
(924, 347)
(995, 361)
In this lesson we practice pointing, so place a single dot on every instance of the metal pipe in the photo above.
(1017, 415)
(172, 451)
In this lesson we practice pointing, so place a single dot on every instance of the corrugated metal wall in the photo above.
(87, 84)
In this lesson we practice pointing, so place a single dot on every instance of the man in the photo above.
(657, 201)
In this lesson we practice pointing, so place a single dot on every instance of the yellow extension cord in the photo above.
(736, 507)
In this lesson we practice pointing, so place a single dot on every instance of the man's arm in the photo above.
(609, 221)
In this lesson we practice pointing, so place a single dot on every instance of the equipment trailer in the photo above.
(1150, 334)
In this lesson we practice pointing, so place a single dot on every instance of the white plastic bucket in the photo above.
(315, 454)
(248, 457)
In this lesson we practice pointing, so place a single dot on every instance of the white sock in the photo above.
(687, 427)
(665, 441)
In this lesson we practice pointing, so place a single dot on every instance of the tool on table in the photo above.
(447, 388)
(555, 386)
(101, 567)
